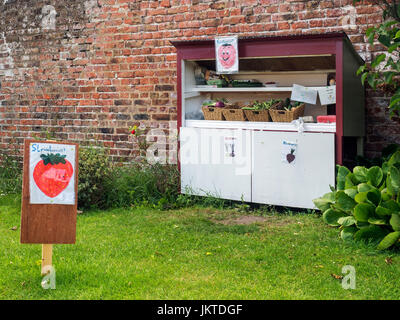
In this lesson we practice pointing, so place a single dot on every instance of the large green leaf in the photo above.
(364, 187)
(361, 225)
(324, 203)
(330, 196)
(346, 221)
(394, 175)
(389, 240)
(384, 39)
(344, 202)
(374, 197)
(371, 233)
(351, 192)
(363, 211)
(375, 176)
(395, 158)
(377, 221)
(377, 60)
(350, 181)
(361, 197)
(360, 173)
(347, 233)
(342, 172)
(331, 217)
(395, 222)
(385, 168)
(387, 208)
(389, 188)
(385, 195)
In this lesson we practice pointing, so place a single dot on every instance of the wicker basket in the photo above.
(211, 113)
(233, 114)
(257, 115)
(287, 116)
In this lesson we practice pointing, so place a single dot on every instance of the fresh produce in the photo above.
(52, 174)
(219, 104)
(365, 204)
(286, 104)
(289, 105)
(215, 103)
(261, 105)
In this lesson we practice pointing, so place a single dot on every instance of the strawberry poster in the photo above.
(227, 55)
(289, 150)
(52, 173)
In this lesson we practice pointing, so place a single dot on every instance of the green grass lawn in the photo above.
(195, 253)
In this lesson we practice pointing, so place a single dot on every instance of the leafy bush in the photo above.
(366, 203)
(10, 175)
(142, 183)
(95, 171)
(387, 152)
(384, 70)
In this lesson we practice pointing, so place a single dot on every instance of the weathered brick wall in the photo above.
(87, 70)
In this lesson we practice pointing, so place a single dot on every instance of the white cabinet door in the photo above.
(275, 181)
(216, 162)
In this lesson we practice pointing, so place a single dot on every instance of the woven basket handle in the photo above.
(281, 112)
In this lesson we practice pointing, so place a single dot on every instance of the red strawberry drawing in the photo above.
(52, 174)
(290, 157)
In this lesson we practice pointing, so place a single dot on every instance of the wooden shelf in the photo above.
(241, 89)
(268, 126)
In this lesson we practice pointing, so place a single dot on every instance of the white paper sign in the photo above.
(227, 55)
(229, 145)
(327, 95)
(51, 173)
(289, 151)
(304, 94)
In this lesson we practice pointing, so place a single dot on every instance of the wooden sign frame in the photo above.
(47, 223)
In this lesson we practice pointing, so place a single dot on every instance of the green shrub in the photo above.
(365, 204)
(95, 171)
(10, 175)
(386, 153)
(143, 183)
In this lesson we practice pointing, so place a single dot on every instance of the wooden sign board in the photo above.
(49, 192)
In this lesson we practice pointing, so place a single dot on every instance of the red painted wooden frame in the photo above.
(331, 43)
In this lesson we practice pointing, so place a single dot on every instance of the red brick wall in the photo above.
(87, 70)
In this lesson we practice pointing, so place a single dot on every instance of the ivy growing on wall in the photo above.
(384, 69)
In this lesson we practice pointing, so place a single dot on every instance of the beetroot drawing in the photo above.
(289, 152)
(290, 157)
(227, 55)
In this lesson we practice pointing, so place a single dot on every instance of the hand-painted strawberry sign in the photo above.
(49, 192)
(52, 173)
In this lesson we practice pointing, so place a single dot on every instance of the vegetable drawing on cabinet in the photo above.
(289, 150)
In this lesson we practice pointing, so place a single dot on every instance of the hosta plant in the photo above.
(365, 204)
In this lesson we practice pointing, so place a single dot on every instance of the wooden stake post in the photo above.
(47, 257)
(49, 195)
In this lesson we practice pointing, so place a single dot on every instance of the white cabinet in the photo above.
(216, 162)
(295, 184)
(249, 165)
